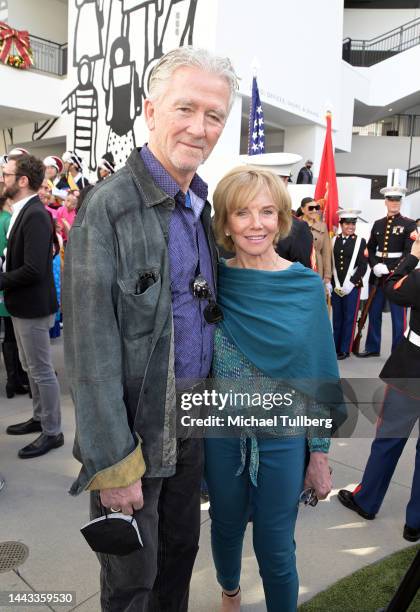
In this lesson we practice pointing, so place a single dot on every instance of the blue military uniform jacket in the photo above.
(343, 252)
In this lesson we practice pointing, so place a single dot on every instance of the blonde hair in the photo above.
(239, 187)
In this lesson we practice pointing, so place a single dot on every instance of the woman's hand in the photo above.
(318, 476)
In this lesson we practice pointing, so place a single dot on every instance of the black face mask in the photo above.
(113, 534)
(201, 290)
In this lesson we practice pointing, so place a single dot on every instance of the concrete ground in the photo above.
(36, 509)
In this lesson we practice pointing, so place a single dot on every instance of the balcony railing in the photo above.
(413, 180)
(49, 56)
(397, 125)
(369, 52)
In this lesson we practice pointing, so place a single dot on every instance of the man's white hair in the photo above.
(189, 56)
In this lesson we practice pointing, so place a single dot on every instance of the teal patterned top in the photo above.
(229, 365)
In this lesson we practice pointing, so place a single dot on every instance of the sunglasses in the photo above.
(316, 207)
(201, 290)
(308, 497)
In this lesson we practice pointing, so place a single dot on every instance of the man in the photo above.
(401, 409)
(349, 268)
(389, 242)
(73, 166)
(134, 325)
(305, 175)
(30, 297)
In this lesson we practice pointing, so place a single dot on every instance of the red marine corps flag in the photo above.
(326, 186)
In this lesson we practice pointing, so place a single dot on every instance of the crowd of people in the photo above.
(152, 311)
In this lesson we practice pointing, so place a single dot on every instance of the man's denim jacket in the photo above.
(118, 340)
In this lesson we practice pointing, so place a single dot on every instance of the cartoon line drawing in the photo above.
(125, 38)
(41, 129)
(83, 102)
(89, 12)
(123, 101)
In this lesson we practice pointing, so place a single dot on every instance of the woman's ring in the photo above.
(115, 509)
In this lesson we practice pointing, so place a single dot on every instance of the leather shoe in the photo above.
(27, 427)
(411, 534)
(341, 356)
(347, 499)
(367, 354)
(43, 444)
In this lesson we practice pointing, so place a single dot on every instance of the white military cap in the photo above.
(396, 191)
(349, 213)
(279, 163)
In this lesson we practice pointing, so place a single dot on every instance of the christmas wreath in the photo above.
(15, 48)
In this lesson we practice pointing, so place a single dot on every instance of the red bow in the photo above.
(20, 38)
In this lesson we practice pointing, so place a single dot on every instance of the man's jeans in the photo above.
(157, 577)
(33, 340)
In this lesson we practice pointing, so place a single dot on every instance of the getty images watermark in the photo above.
(342, 408)
(220, 401)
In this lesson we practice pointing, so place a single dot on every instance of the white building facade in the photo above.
(92, 60)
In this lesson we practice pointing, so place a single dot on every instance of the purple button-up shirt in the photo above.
(189, 254)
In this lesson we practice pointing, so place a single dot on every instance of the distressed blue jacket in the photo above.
(118, 339)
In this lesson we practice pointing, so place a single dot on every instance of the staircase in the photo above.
(366, 53)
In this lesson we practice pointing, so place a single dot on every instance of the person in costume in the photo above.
(46, 197)
(73, 166)
(349, 268)
(401, 409)
(57, 183)
(261, 294)
(106, 167)
(66, 215)
(389, 242)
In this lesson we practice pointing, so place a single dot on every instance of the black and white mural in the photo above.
(116, 44)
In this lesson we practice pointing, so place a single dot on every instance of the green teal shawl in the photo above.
(279, 321)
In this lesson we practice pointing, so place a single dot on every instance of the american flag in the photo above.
(256, 139)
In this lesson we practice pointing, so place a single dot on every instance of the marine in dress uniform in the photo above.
(389, 242)
(401, 407)
(349, 268)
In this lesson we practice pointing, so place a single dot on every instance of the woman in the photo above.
(311, 214)
(269, 306)
(17, 380)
